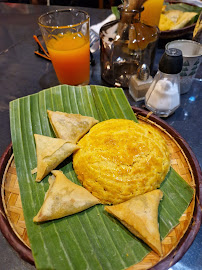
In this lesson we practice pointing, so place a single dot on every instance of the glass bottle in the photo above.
(163, 96)
(126, 44)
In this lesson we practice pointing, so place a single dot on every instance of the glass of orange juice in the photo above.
(66, 35)
(152, 12)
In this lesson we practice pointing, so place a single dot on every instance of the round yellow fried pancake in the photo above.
(119, 159)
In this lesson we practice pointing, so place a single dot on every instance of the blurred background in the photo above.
(83, 3)
(86, 3)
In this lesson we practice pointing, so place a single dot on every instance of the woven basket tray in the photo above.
(180, 161)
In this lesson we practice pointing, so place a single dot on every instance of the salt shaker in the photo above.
(163, 96)
(140, 83)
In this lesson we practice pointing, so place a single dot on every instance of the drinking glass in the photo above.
(192, 57)
(66, 35)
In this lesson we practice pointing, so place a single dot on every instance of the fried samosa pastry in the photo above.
(50, 153)
(64, 198)
(140, 216)
(70, 127)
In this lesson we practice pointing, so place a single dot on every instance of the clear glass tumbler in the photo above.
(66, 35)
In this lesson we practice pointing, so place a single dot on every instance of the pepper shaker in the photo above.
(140, 83)
(163, 96)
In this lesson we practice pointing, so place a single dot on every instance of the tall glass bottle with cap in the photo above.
(163, 96)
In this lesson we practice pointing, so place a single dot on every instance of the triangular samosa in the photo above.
(50, 153)
(70, 127)
(140, 216)
(64, 198)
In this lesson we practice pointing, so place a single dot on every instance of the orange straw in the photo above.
(42, 48)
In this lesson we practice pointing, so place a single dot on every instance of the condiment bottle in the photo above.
(140, 83)
(163, 96)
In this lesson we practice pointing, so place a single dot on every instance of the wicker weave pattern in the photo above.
(14, 212)
(13, 205)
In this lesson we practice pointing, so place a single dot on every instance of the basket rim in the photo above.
(5, 227)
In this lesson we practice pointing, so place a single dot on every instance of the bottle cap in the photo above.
(171, 61)
(143, 72)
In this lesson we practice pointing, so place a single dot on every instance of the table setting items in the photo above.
(192, 55)
(127, 49)
(140, 83)
(126, 43)
(94, 41)
(177, 69)
(163, 96)
(94, 46)
(66, 35)
(42, 52)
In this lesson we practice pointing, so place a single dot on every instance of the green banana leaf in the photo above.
(183, 7)
(91, 239)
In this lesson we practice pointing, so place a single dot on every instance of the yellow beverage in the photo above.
(152, 12)
(70, 55)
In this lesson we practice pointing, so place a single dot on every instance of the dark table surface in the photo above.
(23, 73)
